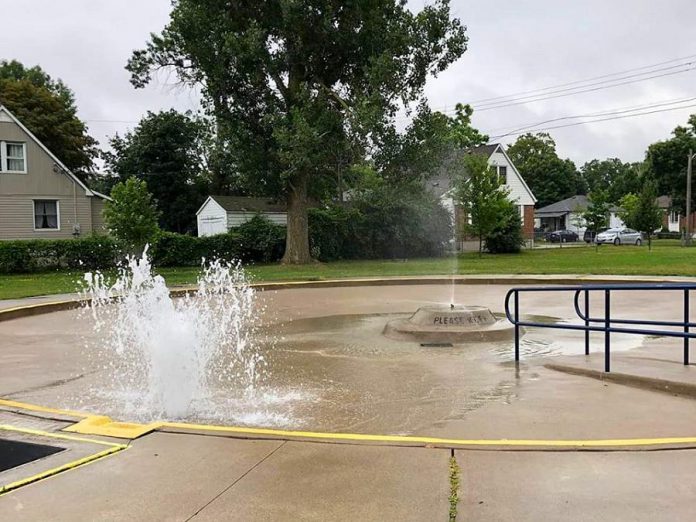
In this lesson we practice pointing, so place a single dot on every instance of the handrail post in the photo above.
(587, 322)
(607, 324)
(686, 326)
(517, 326)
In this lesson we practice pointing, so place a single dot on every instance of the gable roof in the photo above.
(60, 164)
(577, 203)
(486, 150)
(572, 204)
(246, 204)
(441, 183)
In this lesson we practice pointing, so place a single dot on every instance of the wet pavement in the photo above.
(332, 370)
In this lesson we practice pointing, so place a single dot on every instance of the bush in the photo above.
(334, 233)
(506, 237)
(668, 235)
(172, 249)
(89, 253)
(261, 240)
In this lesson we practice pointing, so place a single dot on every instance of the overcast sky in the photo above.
(515, 46)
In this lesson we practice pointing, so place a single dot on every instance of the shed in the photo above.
(218, 214)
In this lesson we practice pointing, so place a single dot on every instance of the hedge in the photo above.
(669, 235)
(395, 230)
(89, 253)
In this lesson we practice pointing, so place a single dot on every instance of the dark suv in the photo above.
(561, 236)
(589, 235)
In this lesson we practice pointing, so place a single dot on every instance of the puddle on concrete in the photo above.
(339, 373)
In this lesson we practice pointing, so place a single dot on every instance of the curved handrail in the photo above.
(651, 322)
(607, 324)
(507, 305)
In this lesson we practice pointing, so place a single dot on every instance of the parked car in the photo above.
(620, 236)
(589, 235)
(561, 236)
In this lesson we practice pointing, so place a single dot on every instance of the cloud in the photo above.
(514, 46)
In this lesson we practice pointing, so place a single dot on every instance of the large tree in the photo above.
(667, 160)
(614, 176)
(299, 87)
(549, 177)
(47, 108)
(166, 150)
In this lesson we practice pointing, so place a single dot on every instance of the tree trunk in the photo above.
(297, 241)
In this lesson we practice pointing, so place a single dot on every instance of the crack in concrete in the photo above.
(236, 481)
(51, 384)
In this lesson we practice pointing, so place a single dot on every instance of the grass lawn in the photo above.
(666, 258)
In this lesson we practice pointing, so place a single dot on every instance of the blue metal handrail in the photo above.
(606, 321)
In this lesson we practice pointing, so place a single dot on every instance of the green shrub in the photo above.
(399, 223)
(261, 240)
(172, 249)
(89, 253)
(506, 237)
(668, 235)
(334, 233)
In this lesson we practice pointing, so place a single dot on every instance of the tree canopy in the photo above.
(613, 175)
(47, 108)
(166, 150)
(666, 163)
(549, 177)
(298, 87)
(131, 216)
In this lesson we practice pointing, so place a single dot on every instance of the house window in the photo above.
(13, 157)
(673, 216)
(502, 174)
(46, 215)
(521, 210)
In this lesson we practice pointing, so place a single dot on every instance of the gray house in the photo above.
(567, 215)
(39, 196)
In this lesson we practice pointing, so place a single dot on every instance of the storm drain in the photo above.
(15, 453)
(437, 345)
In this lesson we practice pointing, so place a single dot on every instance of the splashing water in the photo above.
(165, 354)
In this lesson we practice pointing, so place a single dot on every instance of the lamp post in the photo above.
(688, 198)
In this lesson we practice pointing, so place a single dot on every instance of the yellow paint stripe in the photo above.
(5, 403)
(61, 436)
(582, 443)
(113, 448)
(105, 426)
(54, 471)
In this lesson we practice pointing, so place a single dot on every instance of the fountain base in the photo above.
(454, 324)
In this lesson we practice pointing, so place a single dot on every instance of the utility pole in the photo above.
(688, 198)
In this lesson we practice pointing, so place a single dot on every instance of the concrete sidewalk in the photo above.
(181, 477)
(166, 476)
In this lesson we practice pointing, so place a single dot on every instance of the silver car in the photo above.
(619, 236)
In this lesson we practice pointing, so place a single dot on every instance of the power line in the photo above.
(597, 121)
(482, 100)
(594, 89)
(622, 110)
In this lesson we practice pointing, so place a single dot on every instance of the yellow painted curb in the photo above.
(104, 426)
(406, 439)
(112, 448)
(5, 403)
